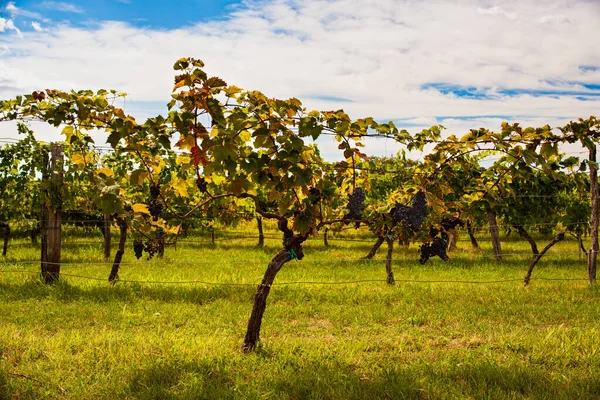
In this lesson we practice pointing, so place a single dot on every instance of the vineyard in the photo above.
(463, 266)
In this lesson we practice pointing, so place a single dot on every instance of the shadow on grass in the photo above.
(65, 292)
(292, 377)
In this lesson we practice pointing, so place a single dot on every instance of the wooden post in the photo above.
(261, 235)
(388, 261)
(106, 236)
(6, 237)
(43, 225)
(325, 241)
(495, 234)
(593, 251)
(54, 234)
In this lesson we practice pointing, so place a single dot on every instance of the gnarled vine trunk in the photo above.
(388, 261)
(537, 258)
(375, 247)
(292, 249)
(471, 233)
(525, 235)
(114, 271)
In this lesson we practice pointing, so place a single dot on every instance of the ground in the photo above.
(84, 339)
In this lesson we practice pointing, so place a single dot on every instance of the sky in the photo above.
(460, 63)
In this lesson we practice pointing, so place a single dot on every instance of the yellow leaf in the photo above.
(140, 208)
(180, 187)
(78, 159)
(174, 230)
(179, 84)
(105, 171)
(217, 179)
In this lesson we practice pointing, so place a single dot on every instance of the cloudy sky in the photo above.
(463, 64)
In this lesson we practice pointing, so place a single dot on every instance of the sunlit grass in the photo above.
(356, 340)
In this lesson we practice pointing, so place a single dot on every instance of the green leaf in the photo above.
(215, 110)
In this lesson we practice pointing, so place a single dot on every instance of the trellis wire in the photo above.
(325, 283)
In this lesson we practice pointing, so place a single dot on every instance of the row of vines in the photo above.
(222, 152)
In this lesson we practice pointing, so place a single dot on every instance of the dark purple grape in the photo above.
(315, 195)
(138, 248)
(201, 184)
(436, 248)
(411, 216)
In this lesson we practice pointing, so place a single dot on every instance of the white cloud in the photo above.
(376, 53)
(8, 24)
(61, 6)
(37, 27)
(17, 11)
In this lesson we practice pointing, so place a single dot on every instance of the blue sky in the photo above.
(463, 64)
(141, 13)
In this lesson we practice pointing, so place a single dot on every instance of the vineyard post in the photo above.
(6, 237)
(261, 235)
(54, 234)
(44, 213)
(495, 234)
(107, 239)
(593, 251)
(388, 260)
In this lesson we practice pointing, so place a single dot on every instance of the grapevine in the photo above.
(154, 206)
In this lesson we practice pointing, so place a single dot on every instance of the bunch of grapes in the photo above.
(411, 216)
(154, 206)
(201, 184)
(451, 223)
(138, 248)
(436, 248)
(315, 195)
(151, 248)
(356, 205)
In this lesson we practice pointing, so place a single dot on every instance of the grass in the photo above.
(84, 339)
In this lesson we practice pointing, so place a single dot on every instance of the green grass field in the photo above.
(85, 339)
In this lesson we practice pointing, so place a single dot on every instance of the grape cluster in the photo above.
(151, 248)
(436, 248)
(201, 184)
(315, 195)
(411, 216)
(138, 248)
(356, 204)
(154, 206)
(451, 223)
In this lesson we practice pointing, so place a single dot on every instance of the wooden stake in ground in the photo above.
(495, 234)
(106, 231)
(261, 235)
(6, 237)
(388, 260)
(537, 258)
(51, 272)
(593, 251)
